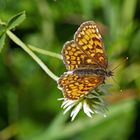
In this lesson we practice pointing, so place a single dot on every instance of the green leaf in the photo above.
(16, 20)
(2, 29)
(2, 34)
(2, 40)
(2, 23)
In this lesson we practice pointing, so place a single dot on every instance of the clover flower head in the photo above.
(93, 103)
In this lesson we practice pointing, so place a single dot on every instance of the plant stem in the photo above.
(32, 54)
(41, 51)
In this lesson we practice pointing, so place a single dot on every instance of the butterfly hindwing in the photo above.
(75, 86)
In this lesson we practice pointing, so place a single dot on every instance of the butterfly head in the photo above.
(109, 73)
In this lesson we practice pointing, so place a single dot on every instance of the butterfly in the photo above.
(86, 61)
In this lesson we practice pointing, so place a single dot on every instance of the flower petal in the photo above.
(87, 109)
(75, 111)
(68, 108)
(60, 99)
(64, 102)
(68, 103)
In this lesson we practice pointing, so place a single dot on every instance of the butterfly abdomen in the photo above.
(90, 72)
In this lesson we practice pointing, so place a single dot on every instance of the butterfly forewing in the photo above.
(89, 40)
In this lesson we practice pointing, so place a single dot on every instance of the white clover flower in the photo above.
(87, 110)
(91, 103)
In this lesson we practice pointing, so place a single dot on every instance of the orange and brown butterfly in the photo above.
(86, 62)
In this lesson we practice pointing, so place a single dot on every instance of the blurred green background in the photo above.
(29, 109)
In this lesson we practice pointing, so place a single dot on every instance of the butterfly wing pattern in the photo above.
(86, 51)
(89, 40)
(74, 86)
(74, 57)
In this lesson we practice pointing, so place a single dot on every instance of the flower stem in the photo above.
(32, 54)
(41, 51)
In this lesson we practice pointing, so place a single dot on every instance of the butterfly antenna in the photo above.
(116, 82)
(120, 64)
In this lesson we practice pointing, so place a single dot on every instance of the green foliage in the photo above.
(12, 23)
(16, 20)
(2, 40)
(2, 34)
(28, 96)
